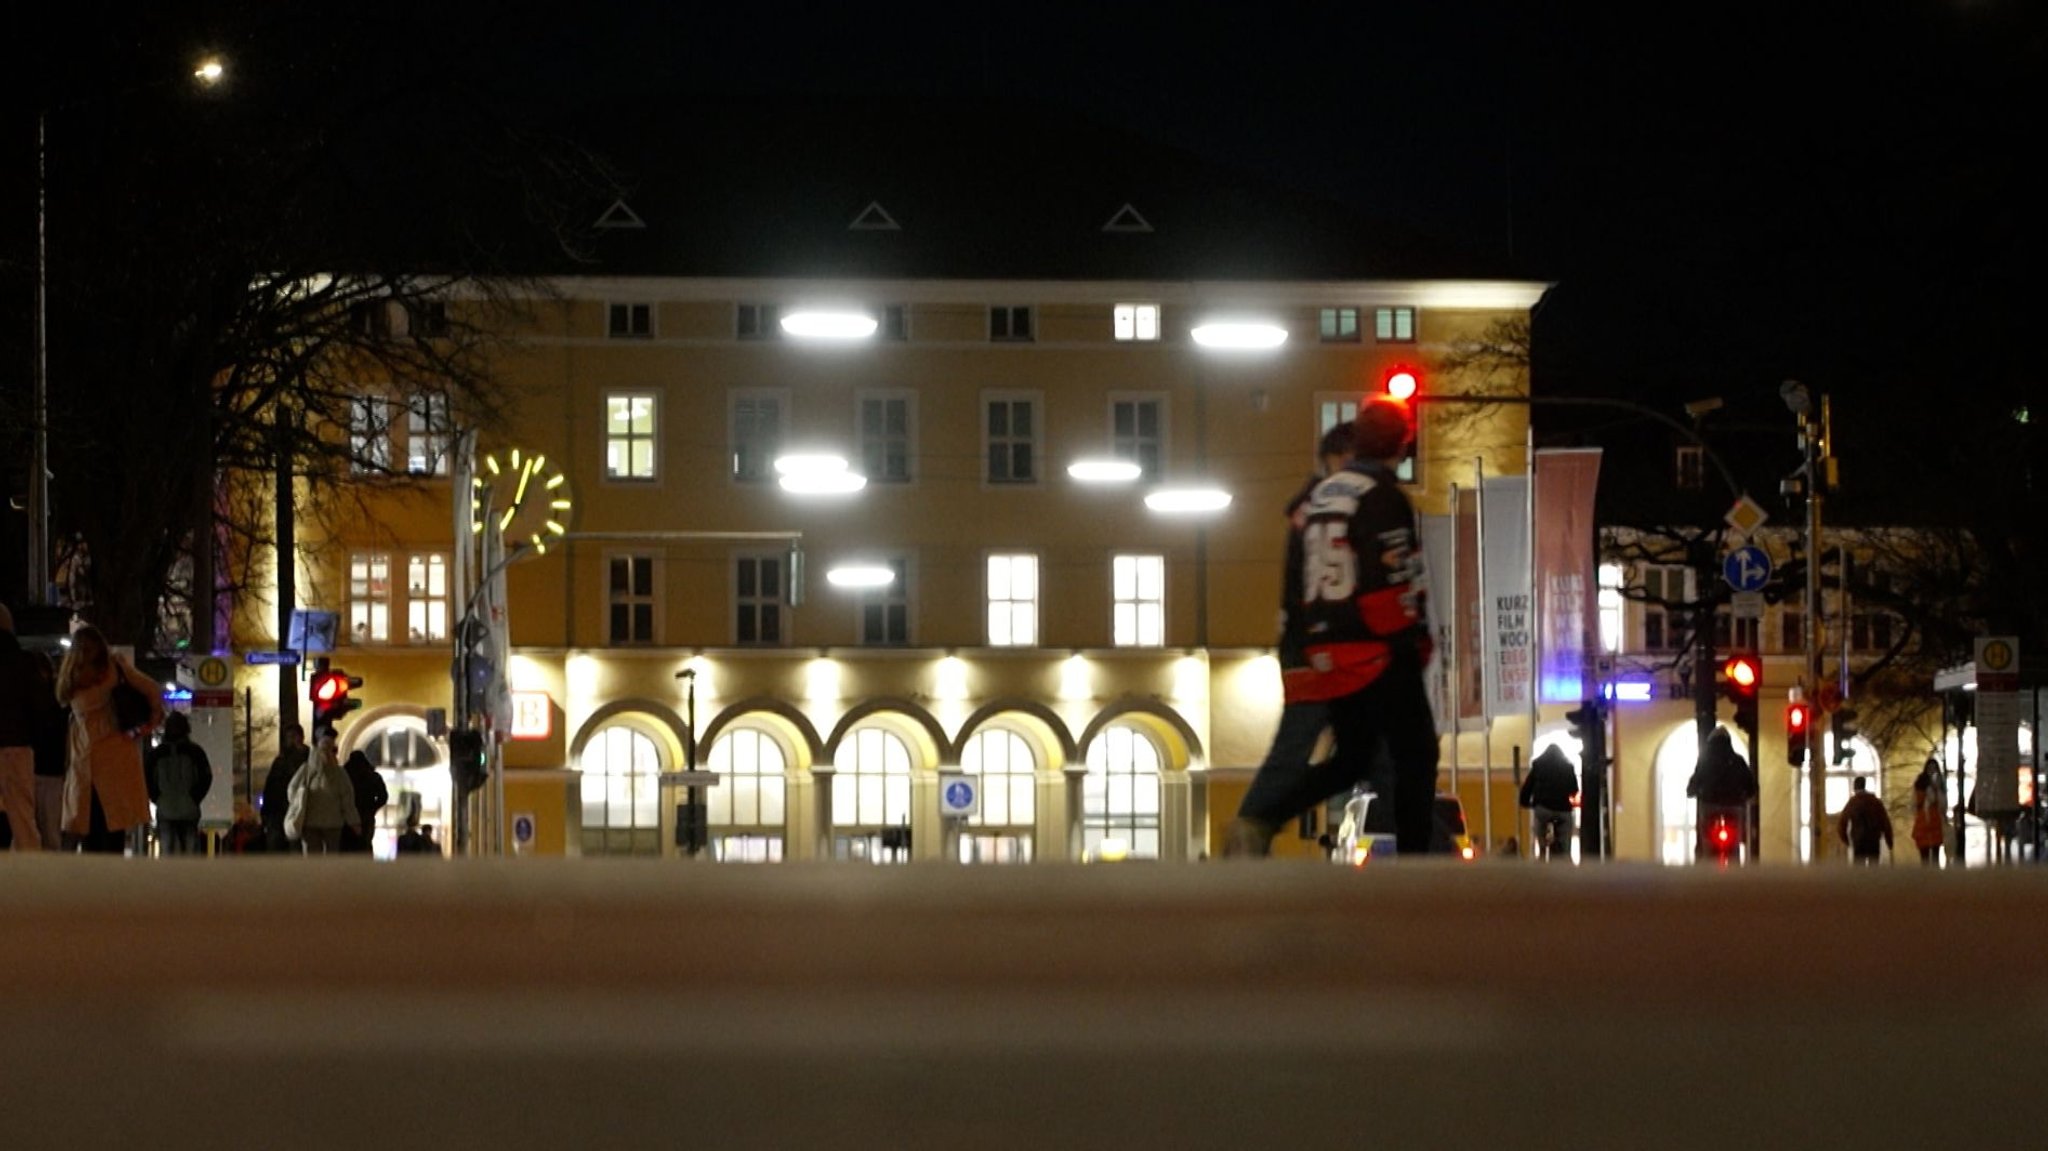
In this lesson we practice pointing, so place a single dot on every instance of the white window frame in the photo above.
(429, 433)
(1004, 828)
(748, 813)
(426, 597)
(628, 794)
(1002, 323)
(369, 434)
(632, 598)
(761, 470)
(1396, 325)
(1330, 323)
(1011, 590)
(1034, 402)
(628, 320)
(1130, 446)
(1123, 794)
(1137, 323)
(761, 606)
(369, 597)
(757, 321)
(897, 594)
(633, 439)
(1137, 586)
(871, 788)
(870, 441)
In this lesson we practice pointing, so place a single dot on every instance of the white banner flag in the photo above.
(1505, 594)
(1440, 560)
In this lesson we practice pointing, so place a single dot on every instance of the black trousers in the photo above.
(1393, 711)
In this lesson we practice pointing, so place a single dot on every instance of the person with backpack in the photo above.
(1547, 794)
(1865, 824)
(179, 776)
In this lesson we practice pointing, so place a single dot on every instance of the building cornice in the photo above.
(1487, 295)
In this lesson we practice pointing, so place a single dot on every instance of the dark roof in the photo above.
(978, 190)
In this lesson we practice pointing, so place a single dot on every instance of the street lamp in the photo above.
(208, 72)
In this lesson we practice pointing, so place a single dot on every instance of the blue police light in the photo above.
(1628, 691)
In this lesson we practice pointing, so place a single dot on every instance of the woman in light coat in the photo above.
(105, 794)
(323, 801)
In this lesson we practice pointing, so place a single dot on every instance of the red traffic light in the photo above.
(328, 687)
(1742, 673)
(1402, 383)
(1796, 717)
(1723, 835)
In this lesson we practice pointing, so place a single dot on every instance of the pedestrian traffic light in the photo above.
(466, 763)
(1843, 723)
(1403, 384)
(1740, 678)
(330, 690)
(1798, 720)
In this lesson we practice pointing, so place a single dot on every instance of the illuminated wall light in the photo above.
(821, 681)
(1240, 335)
(1188, 500)
(1104, 471)
(823, 483)
(809, 463)
(824, 325)
(949, 681)
(860, 576)
(1077, 679)
(581, 675)
(1191, 679)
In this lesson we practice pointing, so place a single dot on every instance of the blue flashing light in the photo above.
(174, 693)
(1627, 691)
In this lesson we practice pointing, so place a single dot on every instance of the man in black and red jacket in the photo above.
(1365, 604)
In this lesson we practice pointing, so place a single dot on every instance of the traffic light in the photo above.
(329, 690)
(1589, 727)
(1724, 837)
(1403, 383)
(1798, 720)
(466, 763)
(1740, 678)
(1843, 723)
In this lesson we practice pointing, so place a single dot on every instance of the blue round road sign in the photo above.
(1747, 568)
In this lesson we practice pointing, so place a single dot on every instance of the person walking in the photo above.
(1286, 783)
(179, 777)
(322, 801)
(1930, 821)
(1864, 824)
(371, 796)
(277, 783)
(1724, 786)
(1547, 794)
(25, 700)
(104, 793)
(1364, 598)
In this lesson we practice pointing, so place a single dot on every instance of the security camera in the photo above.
(1699, 408)
(1796, 397)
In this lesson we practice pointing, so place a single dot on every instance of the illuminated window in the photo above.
(621, 768)
(1003, 830)
(429, 434)
(746, 811)
(369, 597)
(758, 600)
(1393, 325)
(426, 597)
(369, 434)
(1010, 437)
(630, 618)
(629, 436)
(1138, 588)
(887, 431)
(1120, 794)
(1338, 325)
(1012, 600)
(756, 434)
(871, 796)
(1611, 604)
(629, 321)
(1010, 323)
(1137, 321)
(1137, 431)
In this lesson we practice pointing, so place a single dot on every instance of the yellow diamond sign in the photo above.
(1746, 516)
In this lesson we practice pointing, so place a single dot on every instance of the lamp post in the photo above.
(1817, 476)
(210, 72)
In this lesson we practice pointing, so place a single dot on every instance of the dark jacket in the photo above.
(1552, 782)
(179, 777)
(1865, 823)
(1723, 778)
(1362, 585)
(277, 795)
(24, 695)
(371, 796)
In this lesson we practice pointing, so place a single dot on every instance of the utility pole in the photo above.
(1817, 477)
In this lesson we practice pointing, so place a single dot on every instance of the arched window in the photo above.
(746, 808)
(871, 797)
(415, 775)
(1120, 796)
(1003, 830)
(1677, 814)
(621, 768)
(1841, 781)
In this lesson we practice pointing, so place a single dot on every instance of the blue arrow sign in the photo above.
(1747, 568)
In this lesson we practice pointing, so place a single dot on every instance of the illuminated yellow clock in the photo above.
(526, 497)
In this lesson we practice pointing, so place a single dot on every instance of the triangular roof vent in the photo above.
(874, 218)
(620, 216)
(1127, 219)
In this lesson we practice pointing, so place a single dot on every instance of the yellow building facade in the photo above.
(1101, 672)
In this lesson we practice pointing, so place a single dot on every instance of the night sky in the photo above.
(1726, 196)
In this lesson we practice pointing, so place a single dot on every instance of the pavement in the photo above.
(583, 1003)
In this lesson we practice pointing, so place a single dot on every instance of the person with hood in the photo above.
(1723, 784)
(178, 776)
(371, 796)
(105, 795)
(1547, 793)
(323, 802)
